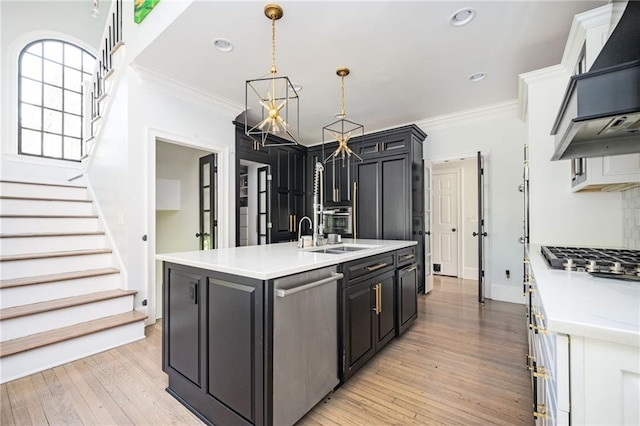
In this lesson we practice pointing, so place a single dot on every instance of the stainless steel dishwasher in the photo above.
(305, 342)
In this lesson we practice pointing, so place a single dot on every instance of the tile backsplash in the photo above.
(631, 218)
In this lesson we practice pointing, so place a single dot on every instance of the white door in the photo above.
(428, 238)
(445, 223)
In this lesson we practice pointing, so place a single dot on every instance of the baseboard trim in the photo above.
(507, 293)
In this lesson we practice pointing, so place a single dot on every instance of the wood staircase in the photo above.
(60, 296)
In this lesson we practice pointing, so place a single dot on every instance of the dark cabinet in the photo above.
(407, 292)
(289, 194)
(390, 188)
(213, 350)
(182, 324)
(368, 309)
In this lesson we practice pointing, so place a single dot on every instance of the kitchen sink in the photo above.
(339, 249)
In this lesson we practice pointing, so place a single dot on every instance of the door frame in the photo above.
(458, 173)
(152, 136)
(473, 155)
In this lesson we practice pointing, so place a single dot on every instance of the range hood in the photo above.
(600, 111)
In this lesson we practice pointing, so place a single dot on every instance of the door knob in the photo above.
(427, 233)
(203, 234)
(453, 229)
(475, 234)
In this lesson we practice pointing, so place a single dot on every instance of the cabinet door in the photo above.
(395, 202)
(231, 344)
(181, 323)
(407, 308)
(296, 172)
(367, 204)
(385, 319)
(358, 327)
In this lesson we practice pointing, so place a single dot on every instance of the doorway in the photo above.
(455, 218)
(253, 204)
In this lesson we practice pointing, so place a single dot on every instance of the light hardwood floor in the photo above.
(459, 364)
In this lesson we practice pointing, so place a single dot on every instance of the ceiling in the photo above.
(407, 62)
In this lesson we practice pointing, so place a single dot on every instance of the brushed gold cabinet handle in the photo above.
(376, 267)
(541, 412)
(380, 297)
(376, 308)
(540, 372)
(407, 256)
(537, 329)
(355, 214)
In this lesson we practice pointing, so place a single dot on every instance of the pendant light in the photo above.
(342, 130)
(271, 102)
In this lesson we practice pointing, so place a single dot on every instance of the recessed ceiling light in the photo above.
(477, 77)
(223, 45)
(462, 16)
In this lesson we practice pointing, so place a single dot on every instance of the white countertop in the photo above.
(578, 304)
(270, 261)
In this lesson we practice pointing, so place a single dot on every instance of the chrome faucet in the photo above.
(318, 226)
(300, 242)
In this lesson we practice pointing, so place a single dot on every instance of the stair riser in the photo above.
(10, 206)
(22, 190)
(33, 225)
(51, 244)
(24, 295)
(45, 321)
(54, 265)
(29, 362)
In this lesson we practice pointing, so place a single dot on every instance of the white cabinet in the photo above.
(609, 390)
(578, 380)
(612, 173)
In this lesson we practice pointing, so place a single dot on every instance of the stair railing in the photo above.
(97, 90)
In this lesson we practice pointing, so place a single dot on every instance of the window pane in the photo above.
(30, 143)
(31, 66)
(72, 57)
(53, 50)
(72, 102)
(72, 125)
(52, 121)
(88, 63)
(36, 49)
(72, 149)
(52, 145)
(31, 91)
(31, 117)
(52, 73)
(73, 79)
(52, 97)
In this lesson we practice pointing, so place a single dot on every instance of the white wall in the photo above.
(497, 132)
(468, 212)
(559, 216)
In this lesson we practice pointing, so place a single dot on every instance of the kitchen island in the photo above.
(243, 326)
(584, 345)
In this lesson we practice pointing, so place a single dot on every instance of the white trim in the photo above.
(581, 24)
(526, 78)
(152, 135)
(158, 81)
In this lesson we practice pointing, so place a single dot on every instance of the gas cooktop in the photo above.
(609, 263)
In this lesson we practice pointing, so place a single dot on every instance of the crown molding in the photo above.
(525, 79)
(170, 86)
(470, 116)
(581, 25)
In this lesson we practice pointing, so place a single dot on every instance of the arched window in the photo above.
(50, 99)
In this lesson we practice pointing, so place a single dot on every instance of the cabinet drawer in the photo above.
(406, 256)
(359, 270)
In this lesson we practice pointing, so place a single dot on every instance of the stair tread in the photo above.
(24, 182)
(51, 234)
(17, 197)
(48, 216)
(40, 279)
(22, 344)
(30, 256)
(66, 302)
